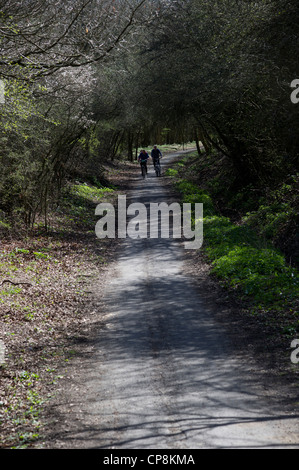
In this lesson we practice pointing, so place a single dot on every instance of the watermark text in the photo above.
(295, 93)
(158, 220)
(2, 92)
(295, 353)
(2, 352)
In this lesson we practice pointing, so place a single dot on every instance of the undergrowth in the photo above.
(241, 256)
(43, 304)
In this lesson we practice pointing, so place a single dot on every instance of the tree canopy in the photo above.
(89, 80)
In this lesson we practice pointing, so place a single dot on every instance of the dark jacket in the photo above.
(156, 154)
(143, 157)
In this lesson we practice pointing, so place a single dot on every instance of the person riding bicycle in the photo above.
(143, 159)
(156, 155)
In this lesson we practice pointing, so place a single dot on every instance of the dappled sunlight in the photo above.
(164, 375)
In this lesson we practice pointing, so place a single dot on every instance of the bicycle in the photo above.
(143, 168)
(157, 168)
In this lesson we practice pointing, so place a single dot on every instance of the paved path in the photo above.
(163, 375)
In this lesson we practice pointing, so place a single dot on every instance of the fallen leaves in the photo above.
(46, 310)
(38, 320)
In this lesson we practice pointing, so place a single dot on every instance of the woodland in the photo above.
(91, 81)
(86, 84)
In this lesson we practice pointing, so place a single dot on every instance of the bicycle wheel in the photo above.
(143, 169)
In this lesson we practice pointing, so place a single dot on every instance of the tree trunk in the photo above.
(130, 146)
(197, 142)
(137, 145)
(204, 138)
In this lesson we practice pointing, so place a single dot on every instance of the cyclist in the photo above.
(156, 155)
(143, 159)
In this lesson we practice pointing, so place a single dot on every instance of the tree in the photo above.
(39, 38)
(49, 57)
(208, 65)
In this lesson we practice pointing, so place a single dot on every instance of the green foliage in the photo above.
(193, 194)
(78, 202)
(240, 258)
(27, 413)
(259, 273)
(280, 211)
(10, 291)
(223, 236)
(225, 96)
(269, 220)
(171, 172)
(4, 225)
(91, 193)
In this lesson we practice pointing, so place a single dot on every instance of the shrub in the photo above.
(240, 257)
